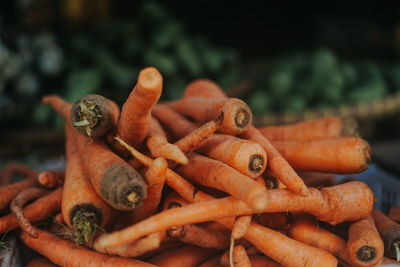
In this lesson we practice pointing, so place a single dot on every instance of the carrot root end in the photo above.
(366, 254)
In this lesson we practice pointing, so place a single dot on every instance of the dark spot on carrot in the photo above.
(366, 253)
(256, 163)
(242, 118)
(271, 182)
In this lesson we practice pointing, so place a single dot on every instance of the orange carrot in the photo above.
(390, 233)
(237, 115)
(12, 168)
(187, 256)
(275, 221)
(394, 213)
(135, 117)
(245, 156)
(51, 178)
(18, 203)
(239, 258)
(271, 182)
(203, 88)
(277, 163)
(340, 155)
(199, 236)
(41, 262)
(59, 218)
(323, 128)
(159, 146)
(364, 245)
(262, 261)
(9, 192)
(240, 226)
(112, 178)
(212, 262)
(287, 251)
(94, 115)
(39, 210)
(318, 179)
(65, 253)
(83, 210)
(305, 230)
(216, 174)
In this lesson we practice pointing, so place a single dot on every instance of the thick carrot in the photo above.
(337, 155)
(65, 253)
(390, 233)
(262, 261)
(40, 262)
(199, 236)
(19, 202)
(39, 210)
(135, 117)
(323, 128)
(158, 144)
(287, 251)
(394, 213)
(350, 201)
(239, 259)
(203, 88)
(275, 221)
(51, 178)
(364, 245)
(9, 192)
(112, 178)
(215, 174)
(82, 208)
(305, 230)
(278, 165)
(187, 256)
(240, 226)
(12, 168)
(237, 115)
(94, 115)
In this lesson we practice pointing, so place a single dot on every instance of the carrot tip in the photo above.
(304, 192)
(150, 78)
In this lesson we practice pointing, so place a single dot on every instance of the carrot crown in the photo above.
(86, 220)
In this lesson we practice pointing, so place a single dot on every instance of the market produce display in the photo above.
(192, 182)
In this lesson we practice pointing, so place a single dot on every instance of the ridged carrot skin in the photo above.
(239, 259)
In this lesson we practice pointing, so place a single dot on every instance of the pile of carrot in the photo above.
(193, 183)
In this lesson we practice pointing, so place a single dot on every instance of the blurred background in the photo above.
(288, 61)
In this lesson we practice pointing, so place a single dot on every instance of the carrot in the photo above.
(94, 115)
(159, 146)
(305, 230)
(59, 218)
(390, 233)
(364, 245)
(385, 261)
(323, 128)
(112, 178)
(39, 210)
(240, 226)
(135, 117)
(277, 163)
(211, 262)
(82, 208)
(216, 174)
(239, 259)
(340, 155)
(9, 192)
(287, 251)
(275, 221)
(271, 182)
(199, 236)
(12, 168)
(18, 203)
(65, 253)
(187, 256)
(41, 262)
(318, 179)
(262, 261)
(203, 88)
(51, 178)
(245, 156)
(394, 213)
(136, 248)
(237, 115)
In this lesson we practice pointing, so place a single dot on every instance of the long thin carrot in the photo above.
(364, 245)
(65, 253)
(323, 128)
(158, 144)
(18, 203)
(94, 115)
(390, 233)
(337, 155)
(187, 256)
(245, 156)
(135, 116)
(237, 115)
(203, 88)
(83, 210)
(240, 226)
(40, 262)
(215, 174)
(112, 178)
(51, 178)
(305, 230)
(12, 168)
(9, 192)
(239, 259)
(39, 210)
